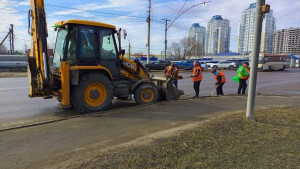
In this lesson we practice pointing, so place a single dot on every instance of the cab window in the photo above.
(71, 52)
(107, 44)
(87, 43)
(59, 47)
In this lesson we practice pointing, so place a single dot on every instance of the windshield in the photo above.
(59, 46)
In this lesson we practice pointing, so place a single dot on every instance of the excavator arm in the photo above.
(38, 60)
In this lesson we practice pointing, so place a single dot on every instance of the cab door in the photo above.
(108, 54)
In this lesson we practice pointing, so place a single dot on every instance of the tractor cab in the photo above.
(86, 43)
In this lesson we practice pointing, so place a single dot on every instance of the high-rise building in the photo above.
(197, 39)
(245, 38)
(217, 35)
(287, 41)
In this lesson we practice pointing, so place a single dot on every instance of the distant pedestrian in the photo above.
(172, 72)
(196, 77)
(242, 77)
(221, 80)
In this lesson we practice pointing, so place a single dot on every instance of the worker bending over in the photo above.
(196, 77)
(172, 72)
(221, 80)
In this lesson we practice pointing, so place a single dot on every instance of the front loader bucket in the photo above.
(166, 89)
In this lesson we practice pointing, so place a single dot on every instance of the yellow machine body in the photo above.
(88, 85)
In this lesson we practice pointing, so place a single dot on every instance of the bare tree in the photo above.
(183, 49)
(3, 50)
(176, 50)
(138, 53)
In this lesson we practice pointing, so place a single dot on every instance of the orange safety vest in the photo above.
(222, 75)
(199, 77)
(168, 73)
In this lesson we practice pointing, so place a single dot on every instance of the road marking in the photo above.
(17, 88)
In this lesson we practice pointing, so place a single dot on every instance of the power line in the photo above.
(178, 10)
(93, 11)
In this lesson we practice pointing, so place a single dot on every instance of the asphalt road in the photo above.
(15, 103)
(276, 82)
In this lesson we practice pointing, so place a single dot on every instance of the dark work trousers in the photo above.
(242, 86)
(220, 89)
(197, 87)
(175, 83)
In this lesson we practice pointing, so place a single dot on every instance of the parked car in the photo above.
(238, 61)
(188, 64)
(158, 65)
(185, 64)
(203, 65)
(224, 64)
(209, 63)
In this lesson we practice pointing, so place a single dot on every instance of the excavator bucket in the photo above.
(166, 89)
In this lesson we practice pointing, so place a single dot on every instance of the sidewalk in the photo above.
(49, 144)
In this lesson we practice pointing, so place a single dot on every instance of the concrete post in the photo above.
(254, 60)
(149, 27)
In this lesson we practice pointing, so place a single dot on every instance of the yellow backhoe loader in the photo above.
(88, 68)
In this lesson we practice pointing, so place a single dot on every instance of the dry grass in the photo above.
(229, 141)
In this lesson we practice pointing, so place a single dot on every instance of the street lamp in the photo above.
(166, 21)
(280, 17)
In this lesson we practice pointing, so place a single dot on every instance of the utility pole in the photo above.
(148, 41)
(11, 43)
(261, 9)
(166, 31)
(129, 49)
(11, 36)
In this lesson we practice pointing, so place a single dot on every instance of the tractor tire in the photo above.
(146, 93)
(93, 93)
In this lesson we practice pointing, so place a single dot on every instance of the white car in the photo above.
(224, 65)
(203, 65)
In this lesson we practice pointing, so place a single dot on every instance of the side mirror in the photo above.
(123, 52)
(125, 33)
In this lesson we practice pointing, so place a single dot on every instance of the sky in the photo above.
(131, 15)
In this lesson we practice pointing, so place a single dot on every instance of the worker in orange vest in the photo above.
(196, 77)
(172, 72)
(221, 80)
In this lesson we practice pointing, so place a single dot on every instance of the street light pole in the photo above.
(254, 61)
(166, 20)
(148, 41)
(166, 31)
